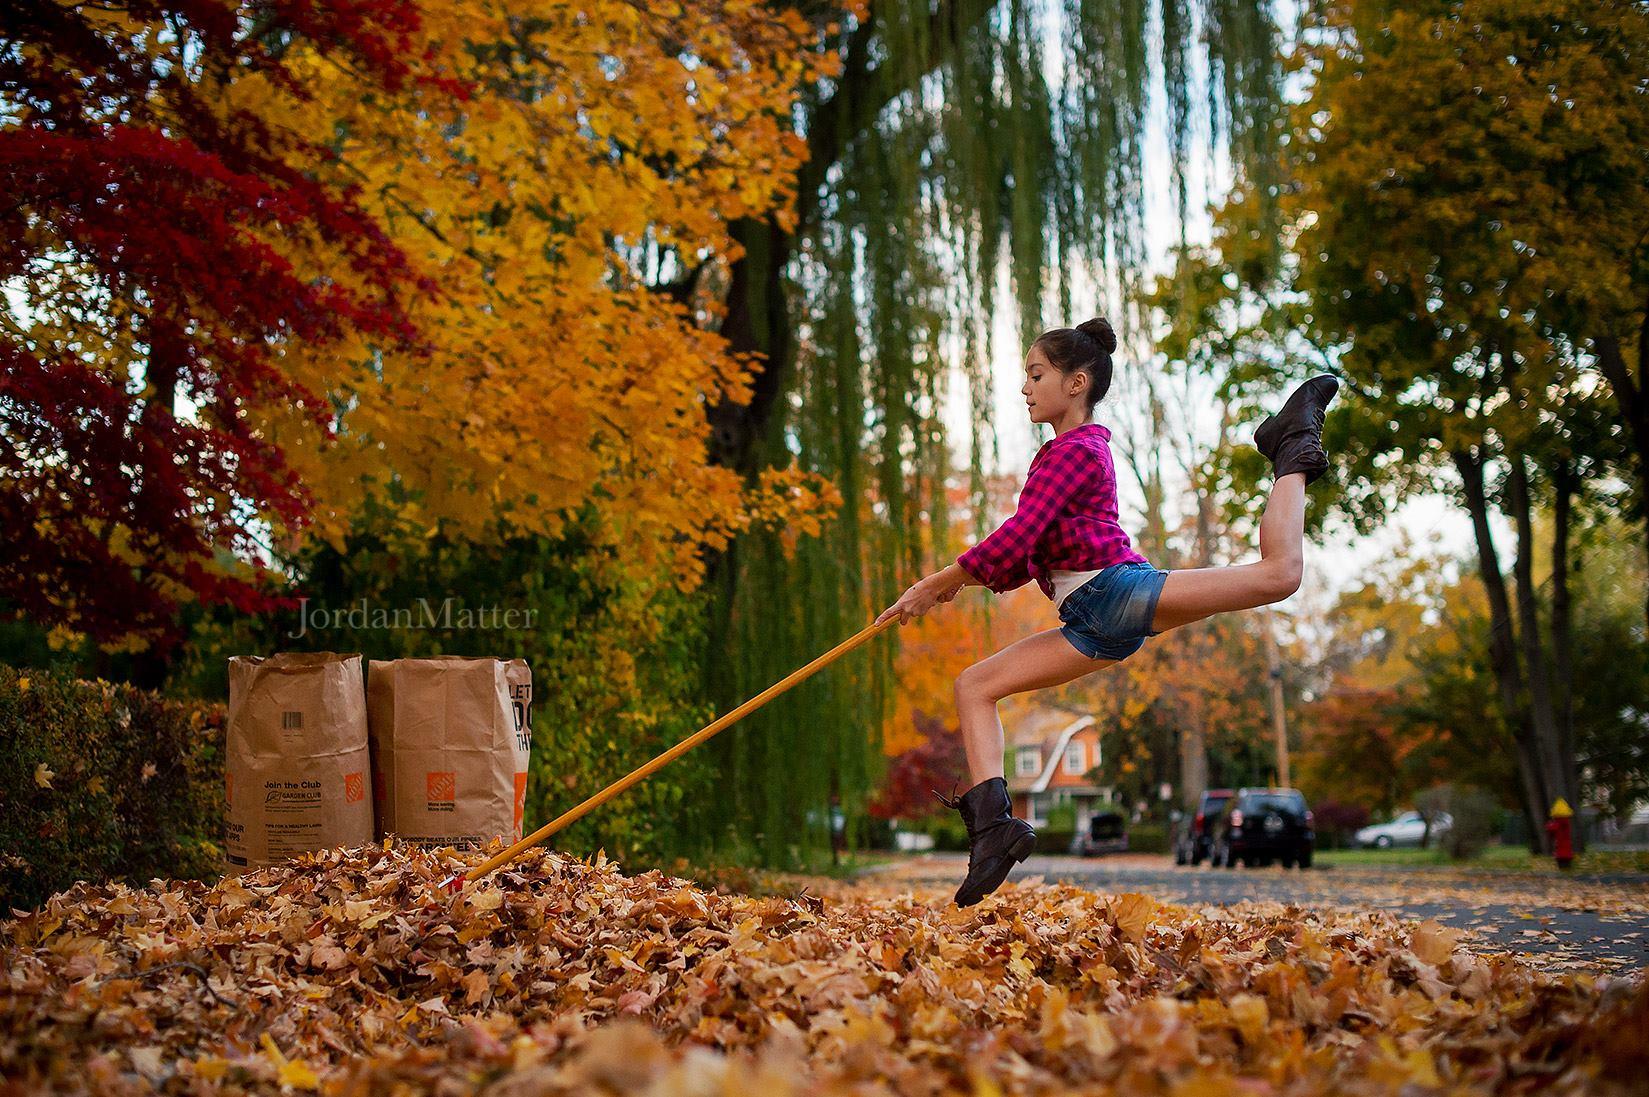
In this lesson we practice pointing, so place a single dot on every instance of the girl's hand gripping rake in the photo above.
(462, 881)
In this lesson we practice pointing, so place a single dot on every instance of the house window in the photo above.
(1028, 763)
(1075, 758)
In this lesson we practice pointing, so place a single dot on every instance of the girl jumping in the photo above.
(1065, 535)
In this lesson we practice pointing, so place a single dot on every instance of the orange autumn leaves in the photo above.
(935, 648)
(353, 973)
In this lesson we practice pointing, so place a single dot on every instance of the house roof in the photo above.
(1049, 730)
(1058, 751)
(1032, 725)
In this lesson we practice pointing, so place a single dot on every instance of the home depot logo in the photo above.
(440, 790)
(520, 802)
(354, 788)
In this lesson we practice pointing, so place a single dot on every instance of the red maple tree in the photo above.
(939, 763)
(148, 304)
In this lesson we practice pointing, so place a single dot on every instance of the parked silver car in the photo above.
(1406, 830)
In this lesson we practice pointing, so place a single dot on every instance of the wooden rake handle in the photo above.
(572, 815)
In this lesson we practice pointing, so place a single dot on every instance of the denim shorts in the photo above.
(1109, 616)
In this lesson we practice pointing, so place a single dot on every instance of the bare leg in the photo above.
(1036, 662)
(1195, 593)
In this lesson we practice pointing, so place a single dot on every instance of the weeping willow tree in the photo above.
(961, 138)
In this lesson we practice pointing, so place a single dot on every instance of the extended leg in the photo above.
(1195, 593)
(996, 839)
(1036, 662)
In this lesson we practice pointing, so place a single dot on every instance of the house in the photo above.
(1050, 753)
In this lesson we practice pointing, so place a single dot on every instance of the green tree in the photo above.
(1414, 698)
(1466, 209)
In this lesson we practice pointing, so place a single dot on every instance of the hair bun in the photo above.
(1099, 329)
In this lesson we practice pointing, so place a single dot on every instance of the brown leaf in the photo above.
(1434, 943)
(1133, 913)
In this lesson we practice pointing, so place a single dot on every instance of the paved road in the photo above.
(1594, 922)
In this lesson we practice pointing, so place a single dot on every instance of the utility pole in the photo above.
(1279, 720)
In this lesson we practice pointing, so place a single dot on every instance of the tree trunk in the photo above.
(1563, 627)
(148, 668)
(1542, 717)
(1193, 735)
(719, 673)
(1279, 710)
(1503, 649)
(1193, 761)
(1634, 408)
(757, 319)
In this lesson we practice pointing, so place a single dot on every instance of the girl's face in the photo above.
(1051, 396)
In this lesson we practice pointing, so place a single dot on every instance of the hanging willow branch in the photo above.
(962, 137)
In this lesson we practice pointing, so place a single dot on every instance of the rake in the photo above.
(461, 882)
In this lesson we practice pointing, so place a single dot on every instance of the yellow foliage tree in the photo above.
(538, 172)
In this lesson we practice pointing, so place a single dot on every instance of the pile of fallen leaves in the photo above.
(351, 972)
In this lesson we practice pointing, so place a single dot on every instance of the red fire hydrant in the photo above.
(1561, 827)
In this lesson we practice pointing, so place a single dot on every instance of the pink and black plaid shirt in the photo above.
(1066, 520)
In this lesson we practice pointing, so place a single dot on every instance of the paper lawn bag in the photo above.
(298, 757)
(450, 741)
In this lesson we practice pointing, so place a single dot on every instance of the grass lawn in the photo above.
(855, 861)
(751, 880)
(1492, 859)
(1380, 857)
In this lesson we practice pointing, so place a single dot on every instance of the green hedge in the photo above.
(100, 782)
(1054, 840)
(1148, 838)
(947, 830)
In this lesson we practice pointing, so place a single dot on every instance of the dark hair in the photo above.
(1085, 348)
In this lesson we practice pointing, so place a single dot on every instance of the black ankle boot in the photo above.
(996, 840)
(1292, 439)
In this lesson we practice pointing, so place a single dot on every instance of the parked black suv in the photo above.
(1193, 844)
(1258, 825)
